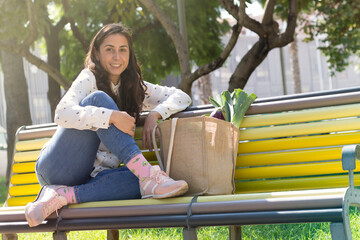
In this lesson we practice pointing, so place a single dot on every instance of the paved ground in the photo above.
(3, 162)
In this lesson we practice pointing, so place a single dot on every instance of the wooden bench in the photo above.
(296, 164)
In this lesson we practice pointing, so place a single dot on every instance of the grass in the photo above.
(308, 231)
(3, 190)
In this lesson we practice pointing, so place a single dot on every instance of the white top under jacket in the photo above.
(69, 114)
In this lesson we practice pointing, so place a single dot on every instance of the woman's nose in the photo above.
(116, 55)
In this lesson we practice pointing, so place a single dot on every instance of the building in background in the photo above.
(37, 82)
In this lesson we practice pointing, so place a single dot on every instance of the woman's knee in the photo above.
(60, 168)
(99, 99)
(99, 94)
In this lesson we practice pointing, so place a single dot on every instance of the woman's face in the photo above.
(114, 55)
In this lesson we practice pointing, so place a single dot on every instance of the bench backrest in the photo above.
(296, 149)
(284, 145)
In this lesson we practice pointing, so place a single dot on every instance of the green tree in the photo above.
(209, 33)
(26, 25)
(268, 32)
(336, 23)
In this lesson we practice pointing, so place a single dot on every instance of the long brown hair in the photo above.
(132, 88)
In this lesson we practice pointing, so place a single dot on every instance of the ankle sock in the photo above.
(140, 167)
(68, 193)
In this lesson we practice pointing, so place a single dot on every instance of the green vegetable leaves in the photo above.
(214, 103)
(234, 105)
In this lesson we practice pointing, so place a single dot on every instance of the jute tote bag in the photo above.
(200, 150)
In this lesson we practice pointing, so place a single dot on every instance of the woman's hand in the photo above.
(123, 121)
(150, 123)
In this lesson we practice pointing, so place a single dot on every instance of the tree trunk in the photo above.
(17, 99)
(182, 51)
(252, 59)
(294, 63)
(38, 62)
(269, 37)
(52, 44)
(179, 42)
(205, 87)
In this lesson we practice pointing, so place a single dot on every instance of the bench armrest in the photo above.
(349, 156)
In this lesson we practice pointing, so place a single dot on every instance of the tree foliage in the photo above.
(336, 23)
(204, 33)
(11, 21)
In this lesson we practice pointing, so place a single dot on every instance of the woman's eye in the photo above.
(123, 50)
(109, 49)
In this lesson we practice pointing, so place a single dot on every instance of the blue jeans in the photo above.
(68, 159)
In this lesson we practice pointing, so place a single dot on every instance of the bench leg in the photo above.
(112, 234)
(337, 231)
(235, 232)
(189, 234)
(59, 235)
(9, 236)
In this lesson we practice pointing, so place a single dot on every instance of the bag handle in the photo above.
(171, 146)
(156, 148)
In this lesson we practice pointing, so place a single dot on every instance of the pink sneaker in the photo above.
(47, 202)
(160, 185)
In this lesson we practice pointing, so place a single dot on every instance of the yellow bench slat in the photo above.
(295, 184)
(24, 167)
(308, 115)
(150, 156)
(289, 157)
(138, 132)
(203, 199)
(26, 156)
(24, 190)
(28, 145)
(290, 170)
(300, 129)
(37, 144)
(24, 178)
(29, 156)
(299, 142)
(19, 201)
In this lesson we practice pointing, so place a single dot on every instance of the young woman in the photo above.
(96, 119)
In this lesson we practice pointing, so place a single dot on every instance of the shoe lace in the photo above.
(161, 176)
(48, 206)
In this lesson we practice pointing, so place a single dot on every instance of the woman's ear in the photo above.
(97, 55)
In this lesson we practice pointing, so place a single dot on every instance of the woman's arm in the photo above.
(165, 100)
(162, 102)
(150, 123)
(123, 121)
(70, 114)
